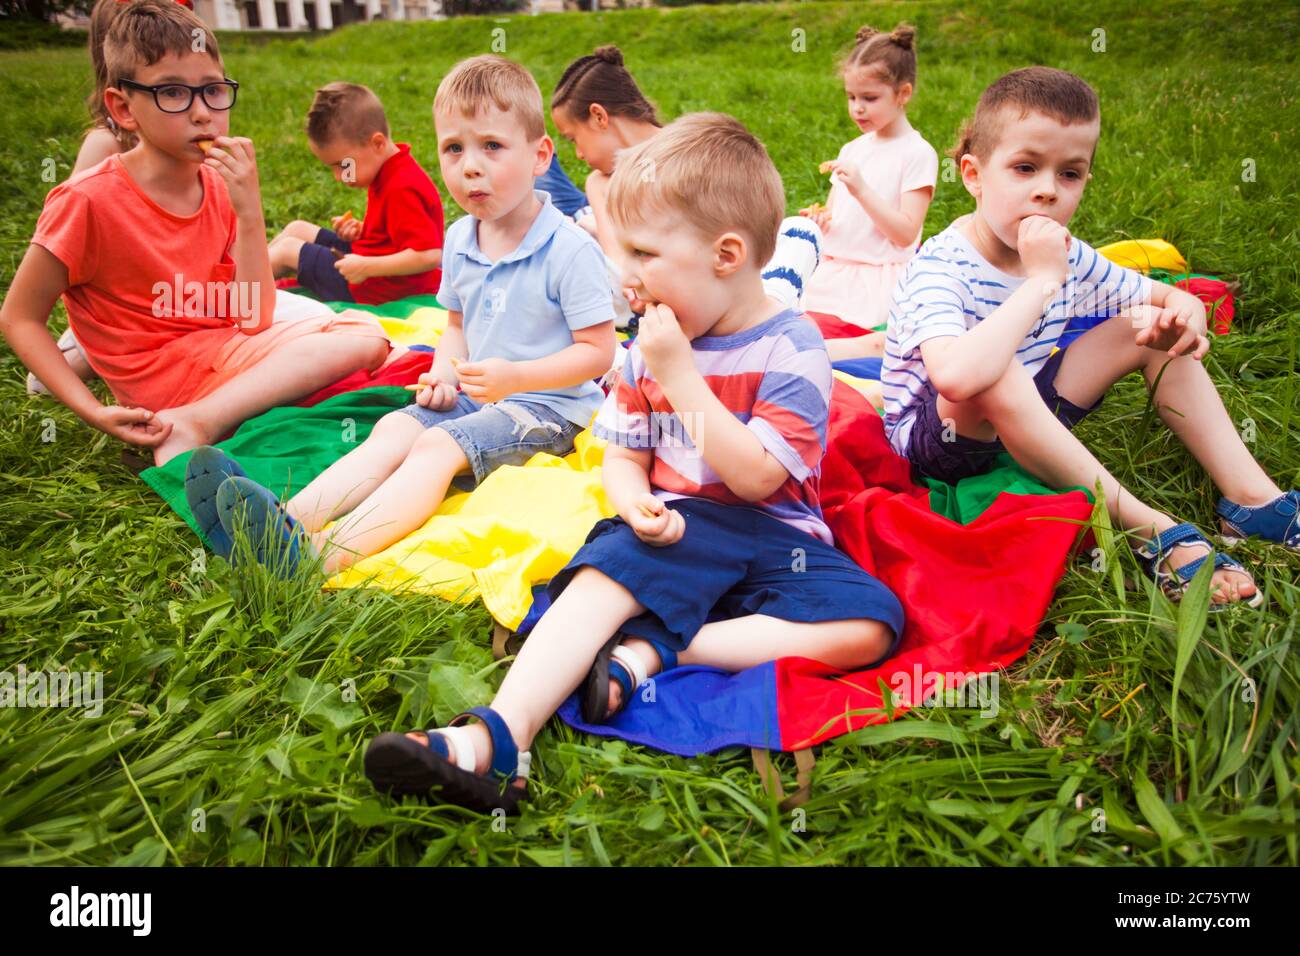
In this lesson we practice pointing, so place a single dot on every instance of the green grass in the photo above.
(223, 702)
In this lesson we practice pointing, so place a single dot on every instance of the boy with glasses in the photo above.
(160, 256)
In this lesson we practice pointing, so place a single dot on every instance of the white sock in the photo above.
(798, 251)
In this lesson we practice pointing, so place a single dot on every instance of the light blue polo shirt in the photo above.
(527, 303)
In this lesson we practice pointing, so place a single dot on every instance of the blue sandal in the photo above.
(1174, 583)
(1278, 520)
(205, 472)
(278, 540)
(630, 673)
(399, 765)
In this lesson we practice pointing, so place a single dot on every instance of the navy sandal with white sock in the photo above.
(399, 765)
(614, 661)
(1277, 520)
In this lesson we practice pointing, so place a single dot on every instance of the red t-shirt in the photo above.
(142, 280)
(403, 211)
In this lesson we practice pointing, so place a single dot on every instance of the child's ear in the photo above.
(729, 253)
(599, 115)
(119, 109)
(904, 94)
(970, 174)
(545, 150)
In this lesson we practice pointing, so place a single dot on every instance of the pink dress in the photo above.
(860, 265)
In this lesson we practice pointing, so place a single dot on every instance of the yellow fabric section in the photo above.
(1145, 255)
(424, 326)
(516, 529)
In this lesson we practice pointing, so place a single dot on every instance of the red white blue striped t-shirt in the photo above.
(775, 377)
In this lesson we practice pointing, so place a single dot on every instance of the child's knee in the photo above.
(437, 444)
(301, 229)
(1007, 395)
(866, 642)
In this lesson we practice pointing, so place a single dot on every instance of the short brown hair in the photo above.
(711, 170)
(892, 55)
(347, 111)
(148, 30)
(602, 78)
(1035, 89)
(490, 79)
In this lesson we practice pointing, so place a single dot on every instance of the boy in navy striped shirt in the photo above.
(971, 366)
(716, 429)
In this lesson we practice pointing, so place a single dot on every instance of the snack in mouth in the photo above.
(205, 145)
(825, 167)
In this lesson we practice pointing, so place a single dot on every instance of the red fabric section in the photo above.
(835, 328)
(974, 595)
(1211, 291)
(403, 370)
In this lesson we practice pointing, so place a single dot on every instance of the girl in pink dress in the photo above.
(881, 186)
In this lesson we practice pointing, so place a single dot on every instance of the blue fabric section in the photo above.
(694, 710)
(567, 197)
(860, 368)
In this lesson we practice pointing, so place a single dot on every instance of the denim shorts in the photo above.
(953, 457)
(501, 433)
(732, 561)
(316, 271)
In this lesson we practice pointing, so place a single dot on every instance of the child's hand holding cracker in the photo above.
(654, 522)
(234, 159)
(663, 344)
(435, 392)
(346, 227)
(1044, 247)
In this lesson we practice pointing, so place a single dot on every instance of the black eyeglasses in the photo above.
(177, 97)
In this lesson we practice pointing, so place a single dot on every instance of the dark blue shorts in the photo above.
(962, 457)
(316, 271)
(732, 561)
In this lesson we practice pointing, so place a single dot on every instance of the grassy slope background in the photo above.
(225, 737)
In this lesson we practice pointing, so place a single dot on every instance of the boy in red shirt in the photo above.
(160, 256)
(396, 249)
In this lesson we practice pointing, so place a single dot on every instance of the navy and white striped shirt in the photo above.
(949, 288)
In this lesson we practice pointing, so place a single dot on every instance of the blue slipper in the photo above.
(1278, 520)
(207, 468)
(278, 540)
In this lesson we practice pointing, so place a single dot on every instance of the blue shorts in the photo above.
(502, 433)
(316, 272)
(960, 457)
(731, 561)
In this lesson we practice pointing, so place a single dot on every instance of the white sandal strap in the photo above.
(525, 764)
(462, 742)
(629, 659)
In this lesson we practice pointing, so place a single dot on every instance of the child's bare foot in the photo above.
(186, 435)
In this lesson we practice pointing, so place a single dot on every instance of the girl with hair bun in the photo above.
(599, 107)
(881, 187)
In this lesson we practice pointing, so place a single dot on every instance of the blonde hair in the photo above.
(711, 170)
(148, 30)
(475, 83)
(1035, 89)
(892, 56)
(347, 111)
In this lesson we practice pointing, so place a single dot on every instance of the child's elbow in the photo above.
(952, 386)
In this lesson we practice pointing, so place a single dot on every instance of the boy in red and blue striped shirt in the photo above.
(719, 555)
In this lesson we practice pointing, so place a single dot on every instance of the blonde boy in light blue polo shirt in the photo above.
(531, 327)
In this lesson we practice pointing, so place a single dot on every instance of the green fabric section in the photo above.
(285, 448)
(968, 499)
(397, 309)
